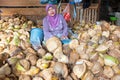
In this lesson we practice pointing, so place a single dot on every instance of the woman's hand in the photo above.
(64, 37)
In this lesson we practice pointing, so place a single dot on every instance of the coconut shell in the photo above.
(55, 42)
(61, 68)
(88, 76)
(108, 72)
(97, 68)
(79, 69)
(116, 77)
(25, 63)
(5, 70)
(73, 57)
(32, 58)
(24, 77)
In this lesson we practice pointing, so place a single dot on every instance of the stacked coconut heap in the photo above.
(93, 55)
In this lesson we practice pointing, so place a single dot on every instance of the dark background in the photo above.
(107, 8)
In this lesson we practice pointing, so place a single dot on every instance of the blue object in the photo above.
(65, 41)
(44, 1)
(36, 37)
(72, 2)
(77, 1)
(53, 2)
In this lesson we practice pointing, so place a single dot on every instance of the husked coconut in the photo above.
(24, 44)
(114, 53)
(23, 63)
(32, 71)
(113, 37)
(48, 56)
(97, 68)
(106, 33)
(66, 49)
(55, 42)
(79, 69)
(47, 74)
(24, 77)
(37, 78)
(61, 68)
(42, 64)
(88, 63)
(112, 27)
(73, 44)
(105, 26)
(116, 69)
(108, 71)
(88, 76)
(74, 76)
(116, 77)
(73, 57)
(5, 69)
(91, 32)
(41, 52)
(32, 58)
(30, 50)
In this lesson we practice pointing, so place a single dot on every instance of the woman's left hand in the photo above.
(64, 37)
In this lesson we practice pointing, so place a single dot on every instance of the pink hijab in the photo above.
(53, 20)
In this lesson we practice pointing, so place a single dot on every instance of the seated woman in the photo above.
(54, 24)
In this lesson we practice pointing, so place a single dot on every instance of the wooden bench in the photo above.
(90, 14)
(31, 8)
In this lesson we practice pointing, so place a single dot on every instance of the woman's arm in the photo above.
(65, 27)
(47, 33)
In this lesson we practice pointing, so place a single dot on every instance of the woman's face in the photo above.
(51, 11)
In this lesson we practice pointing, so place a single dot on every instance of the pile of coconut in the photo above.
(93, 55)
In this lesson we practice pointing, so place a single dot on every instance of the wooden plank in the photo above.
(87, 12)
(95, 15)
(81, 15)
(23, 11)
(92, 6)
(78, 15)
(89, 15)
(20, 3)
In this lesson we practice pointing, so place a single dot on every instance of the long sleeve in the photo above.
(47, 33)
(65, 26)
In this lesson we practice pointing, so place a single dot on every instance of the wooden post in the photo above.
(0, 14)
(71, 12)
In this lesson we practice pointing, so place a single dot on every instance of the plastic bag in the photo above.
(44, 1)
(36, 37)
(66, 13)
(77, 1)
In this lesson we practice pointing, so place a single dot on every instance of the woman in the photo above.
(54, 24)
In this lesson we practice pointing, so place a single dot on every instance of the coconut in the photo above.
(37, 78)
(73, 44)
(116, 77)
(108, 72)
(32, 71)
(55, 42)
(5, 69)
(88, 76)
(41, 52)
(32, 58)
(22, 65)
(42, 64)
(24, 77)
(79, 69)
(61, 68)
(47, 74)
(97, 68)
